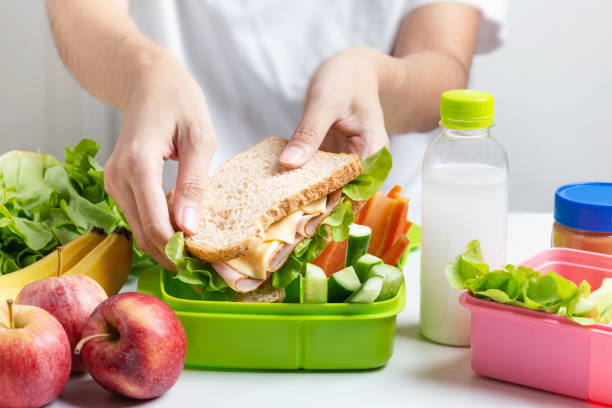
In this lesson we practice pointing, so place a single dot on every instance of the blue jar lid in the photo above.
(585, 206)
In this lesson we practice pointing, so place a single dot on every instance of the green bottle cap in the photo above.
(466, 109)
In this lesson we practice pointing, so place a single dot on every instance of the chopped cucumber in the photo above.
(392, 280)
(293, 291)
(315, 285)
(368, 292)
(364, 264)
(358, 242)
(341, 284)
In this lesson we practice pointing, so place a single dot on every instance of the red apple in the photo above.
(70, 299)
(134, 345)
(34, 356)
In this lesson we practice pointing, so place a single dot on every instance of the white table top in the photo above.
(419, 373)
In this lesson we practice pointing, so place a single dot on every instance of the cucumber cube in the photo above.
(364, 264)
(368, 292)
(358, 242)
(341, 284)
(392, 280)
(315, 285)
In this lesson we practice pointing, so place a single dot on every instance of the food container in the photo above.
(543, 350)
(583, 217)
(333, 336)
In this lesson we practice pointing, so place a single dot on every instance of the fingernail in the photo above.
(292, 154)
(191, 219)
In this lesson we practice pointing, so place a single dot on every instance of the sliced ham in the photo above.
(249, 285)
(306, 227)
(332, 200)
(310, 223)
(280, 257)
(302, 227)
(235, 280)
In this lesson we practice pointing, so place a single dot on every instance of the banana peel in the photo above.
(72, 253)
(109, 263)
(8, 293)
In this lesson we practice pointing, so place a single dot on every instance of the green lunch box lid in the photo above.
(332, 336)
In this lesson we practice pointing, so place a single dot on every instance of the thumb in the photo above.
(195, 155)
(307, 138)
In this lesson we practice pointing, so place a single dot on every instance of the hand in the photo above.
(342, 112)
(165, 117)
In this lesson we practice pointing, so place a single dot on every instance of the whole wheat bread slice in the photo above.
(250, 192)
(265, 294)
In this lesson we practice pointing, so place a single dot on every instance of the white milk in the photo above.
(461, 202)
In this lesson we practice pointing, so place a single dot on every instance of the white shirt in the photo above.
(254, 58)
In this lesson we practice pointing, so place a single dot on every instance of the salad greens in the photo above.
(44, 203)
(375, 171)
(525, 287)
(191, 270)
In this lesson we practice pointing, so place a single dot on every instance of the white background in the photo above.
(552, 81)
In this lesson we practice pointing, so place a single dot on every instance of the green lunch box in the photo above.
(287, 336)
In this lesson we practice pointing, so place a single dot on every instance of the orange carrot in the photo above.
(395, 194)
(393, 254)
(375, 218)
(333, 257)
(396, 220)
(395, 191)
(407, 227)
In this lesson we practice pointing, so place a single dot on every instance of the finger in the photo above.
(145, 182)
(374, 135)
(195, 152)
(308, 135)
(124, 198)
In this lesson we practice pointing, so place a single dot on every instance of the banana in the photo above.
(46, 267)
(109, 263)
(8, 293)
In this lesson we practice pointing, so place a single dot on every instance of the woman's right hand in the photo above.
(165, 117)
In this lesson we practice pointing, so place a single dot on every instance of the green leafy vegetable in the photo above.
(44, 203)
(339, 221)
(192, 270)
(288, 273)
(375, 171)
(525, 287)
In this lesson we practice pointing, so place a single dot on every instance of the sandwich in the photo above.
(261, 222)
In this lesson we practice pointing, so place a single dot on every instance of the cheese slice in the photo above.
(284, 230)
(255, 263)
(316, 207)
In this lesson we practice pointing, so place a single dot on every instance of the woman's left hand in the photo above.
(342, 111)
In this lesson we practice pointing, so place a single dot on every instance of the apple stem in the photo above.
(59, 260)
(79, 346)
(9, 302)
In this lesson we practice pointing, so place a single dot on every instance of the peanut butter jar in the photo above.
(583, 217)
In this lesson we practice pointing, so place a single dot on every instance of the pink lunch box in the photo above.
(542, 350)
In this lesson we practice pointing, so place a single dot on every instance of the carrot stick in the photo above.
(395, 194)
(395, 191)
(407, 227)
(393, 254)
(333, 257)
(395, 224)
